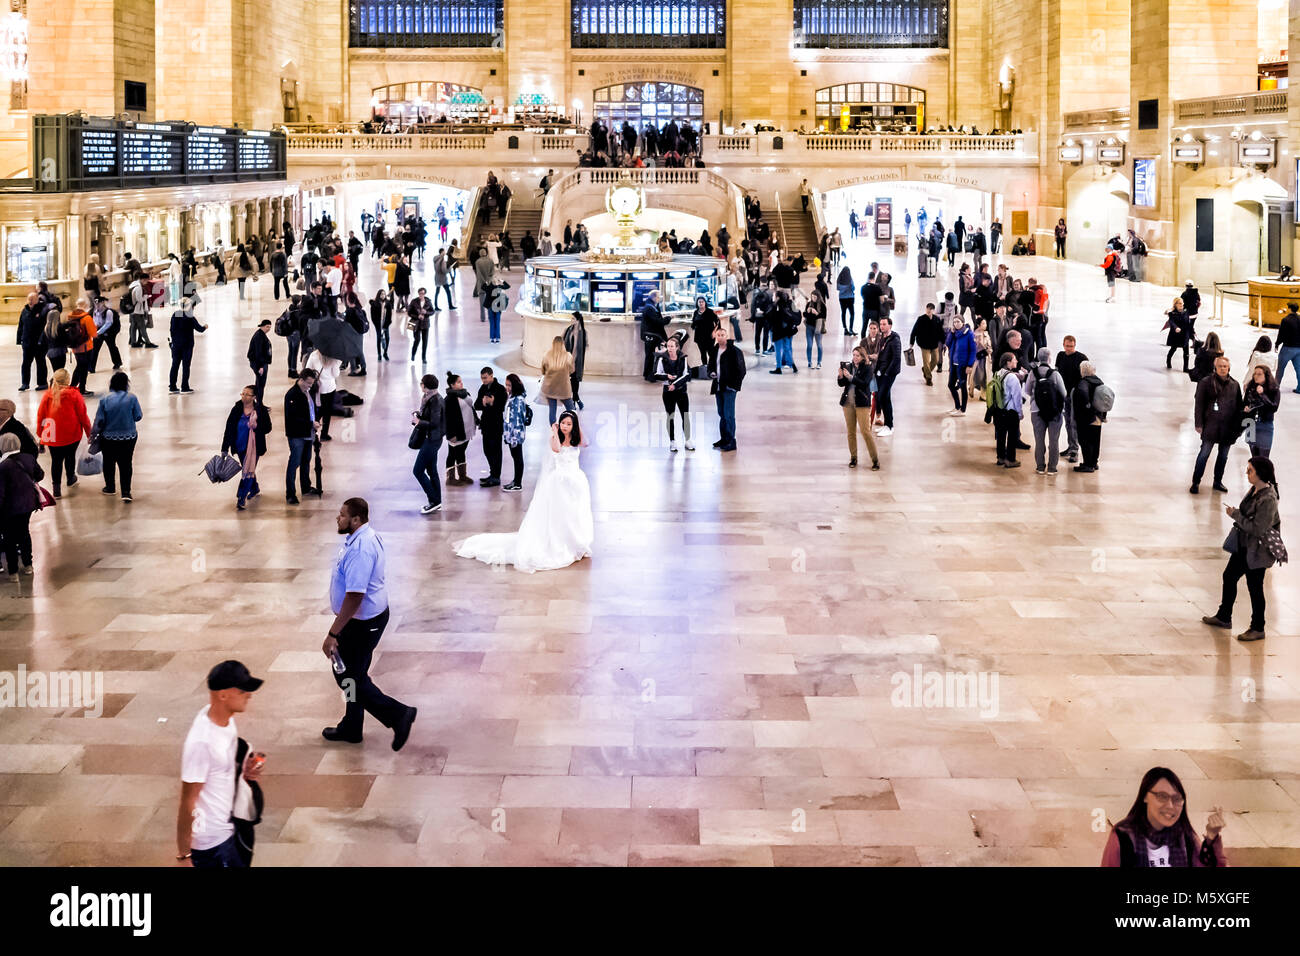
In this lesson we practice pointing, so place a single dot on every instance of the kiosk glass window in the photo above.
(707, 286)
(609, 296)
(573, 294)
(545, 292)
(680, 292)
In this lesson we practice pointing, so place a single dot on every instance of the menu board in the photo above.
(209, 153)
(255, 154)
(98, 152)
(148, 153)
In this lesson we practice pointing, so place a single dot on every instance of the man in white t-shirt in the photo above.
(334, 286)
(205, 834)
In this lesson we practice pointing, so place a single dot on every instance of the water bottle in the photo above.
(337, 662)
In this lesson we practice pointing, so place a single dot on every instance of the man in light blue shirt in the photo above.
(359, 600)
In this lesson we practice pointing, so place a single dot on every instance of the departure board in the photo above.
(85, 152)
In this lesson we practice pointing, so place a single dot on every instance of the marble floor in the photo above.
(719, 684)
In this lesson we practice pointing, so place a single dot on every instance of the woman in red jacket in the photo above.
(62, 420)
(1157, 833)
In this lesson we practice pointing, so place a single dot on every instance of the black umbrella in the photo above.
(334, 338)
(316, 444)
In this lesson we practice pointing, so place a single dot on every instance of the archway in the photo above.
(870, 105)
(425, 101)
(358, 204)
(1232, 203)
(903, 199)
(1096, 208)
(649, 102)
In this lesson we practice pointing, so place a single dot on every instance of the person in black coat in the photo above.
(183, 327)
(728, 373)
(301, 425)
(1191, 300)
(703, 321)
(31, 336)
(19, 472)
(259, 356)
(1218, 418)
(1180, 334)
(654, 331)
(252, 412)
(280, 271)
(491, 407)
(381, 319)
(9, 425)
(889, 362)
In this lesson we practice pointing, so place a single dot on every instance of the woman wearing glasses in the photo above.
(1157, 832)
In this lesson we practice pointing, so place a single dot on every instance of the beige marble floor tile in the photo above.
(678, 855)
(768, 827)
(426, 793)
(561, 791)
(713, 793)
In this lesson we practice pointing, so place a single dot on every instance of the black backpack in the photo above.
(1047, 399)
(74, 334)
(285, 324)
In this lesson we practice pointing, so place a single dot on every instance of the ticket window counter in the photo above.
(574, 296)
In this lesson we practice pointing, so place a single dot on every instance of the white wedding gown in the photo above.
(557, 528)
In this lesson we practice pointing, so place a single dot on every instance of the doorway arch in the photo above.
(407, 102)
(867, 105)
(1096, 208)
(649, 102)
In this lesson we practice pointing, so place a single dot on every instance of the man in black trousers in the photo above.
(888, 364)
(183, 327)
(653, 333)
(31, 336)
(359, 600)
(728, 372)
(280, 272)
(259, 356)
(491, 408)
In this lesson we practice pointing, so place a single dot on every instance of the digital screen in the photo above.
(608, 296)
(1144, 182)
(641, 289)
(208, 153)
(151, 154)
(254, 154)
(98, 152)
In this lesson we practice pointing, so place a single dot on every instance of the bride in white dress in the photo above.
(557, 528)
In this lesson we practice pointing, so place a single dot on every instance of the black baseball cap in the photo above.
(229, 674)
(263, 323)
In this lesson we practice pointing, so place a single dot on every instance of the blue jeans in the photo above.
(222, 855)
(299, 462)
(1288, 355)
(726, 402)
(426, 470)
(554, 402)
(1203, 456)
(812, 335)
(442, 288)
(494, 324)
(1262, 442)
(784, 353)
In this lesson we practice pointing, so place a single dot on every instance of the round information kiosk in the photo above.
(610, 286)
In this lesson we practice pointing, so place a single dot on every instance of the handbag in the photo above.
(909, 355)
(416, 441)
(92, 446)
(91, 464)
(1273, 541)
(44, 499)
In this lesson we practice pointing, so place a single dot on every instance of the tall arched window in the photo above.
(868, 24)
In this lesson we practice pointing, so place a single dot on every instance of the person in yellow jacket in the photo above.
(390, 270)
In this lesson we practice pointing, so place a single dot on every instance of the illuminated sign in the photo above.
(1144, 182)
(1111, 155)
(1069, 154)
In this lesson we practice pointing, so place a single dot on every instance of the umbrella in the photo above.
(334, 338)
(316, 446)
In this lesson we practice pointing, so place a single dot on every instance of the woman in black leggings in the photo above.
(675, 374)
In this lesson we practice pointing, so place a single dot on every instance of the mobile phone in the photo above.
(259, 759)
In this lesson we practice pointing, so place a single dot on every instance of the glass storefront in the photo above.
(425, 101)
(891, 106)
(649, 104)
(562, 287)
(31, 253)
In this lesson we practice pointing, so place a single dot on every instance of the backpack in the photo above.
(995, 393)
(1109, 263)
(528, 415)
(126, 305)
(1103, 399)
(1047, 399)
(74, 334)
(284, 325)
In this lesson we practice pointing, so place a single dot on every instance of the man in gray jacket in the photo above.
(1047, 388)
(485, 271)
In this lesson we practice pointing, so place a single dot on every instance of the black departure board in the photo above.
(81, 152)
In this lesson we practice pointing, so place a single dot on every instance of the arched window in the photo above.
(649, 103)
(426, 99)
(868, 24)
(891, 106)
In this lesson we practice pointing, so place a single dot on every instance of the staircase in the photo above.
(521, 221)
(800, 234)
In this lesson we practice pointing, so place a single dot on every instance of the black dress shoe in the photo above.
(1219, 486)
(23, 388)
(403, 729)
(332, 734)
(719, 443)
(292, 499)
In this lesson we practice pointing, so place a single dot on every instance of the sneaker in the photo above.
(14, 579)
(107, 491)
(23, 388)
(57, 493)
(27, 569)
(775, 371)
(430, 509)
(672, 446)
(1213, 620)
(1040, 471)
(719, 443)
(512, 487)
(690, 446)
(127, 498)
(853, 463)
(794, 369)
(150, 345)
(239, 506)
(1051, 473)
(1244, 636)
(1000, 462)
(1194, 490)
(875, 466)
(72, 481)
(174, 390)
(292, 499)
(1012, 464)
(884, 431)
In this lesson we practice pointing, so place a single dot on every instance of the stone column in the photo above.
(1181, 49)
(759, 35)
